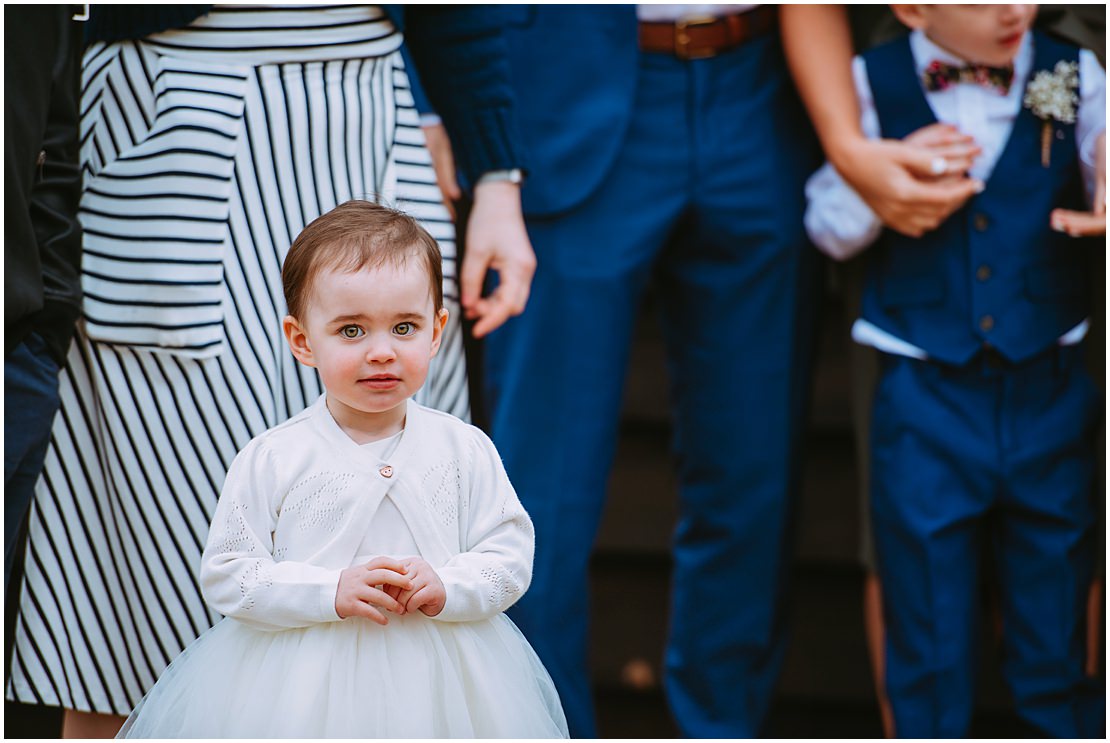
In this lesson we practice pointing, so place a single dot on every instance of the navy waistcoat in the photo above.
(994, 273)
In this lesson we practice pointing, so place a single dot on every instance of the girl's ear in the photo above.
(298, 340)
(439, 322)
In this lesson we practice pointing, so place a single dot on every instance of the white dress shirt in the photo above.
(668, 12)
(841, 224)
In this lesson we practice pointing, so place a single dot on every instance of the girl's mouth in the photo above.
(380, 381)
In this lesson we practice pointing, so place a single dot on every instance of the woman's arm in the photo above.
(886, 174)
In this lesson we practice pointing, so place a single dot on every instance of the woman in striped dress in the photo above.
(205, 150)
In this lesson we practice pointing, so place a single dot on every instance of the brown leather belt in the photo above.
(700, 38)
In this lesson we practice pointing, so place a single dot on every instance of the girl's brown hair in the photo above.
(354, 235)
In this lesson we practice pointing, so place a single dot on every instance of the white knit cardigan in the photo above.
(298, 499)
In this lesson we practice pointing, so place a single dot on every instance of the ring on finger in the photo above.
(939, 165)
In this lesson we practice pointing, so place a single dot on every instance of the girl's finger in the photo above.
(379, 598)
(405, 596)
(418, 599)
(387, 577)
(362, 609)
(386, 563)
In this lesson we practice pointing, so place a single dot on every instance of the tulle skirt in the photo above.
(413, 678)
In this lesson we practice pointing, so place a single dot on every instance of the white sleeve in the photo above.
(837, 220)
(238, 574)
(496, 568)
(1092, 114)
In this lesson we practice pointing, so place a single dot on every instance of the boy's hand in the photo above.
(359, 595)
(1079, 224)
(1086, 224)
(427, 592)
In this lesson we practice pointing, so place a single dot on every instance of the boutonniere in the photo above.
(1052, 96)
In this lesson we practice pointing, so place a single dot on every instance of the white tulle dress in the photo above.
(417, 677)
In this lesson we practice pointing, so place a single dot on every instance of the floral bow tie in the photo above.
(940, 76)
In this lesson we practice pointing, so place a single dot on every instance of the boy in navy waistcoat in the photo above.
(984, 414)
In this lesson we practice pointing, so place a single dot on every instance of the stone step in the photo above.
(826, 660)
(643, 715)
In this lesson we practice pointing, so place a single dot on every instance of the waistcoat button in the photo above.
(983, 272)
(986, 322)
(982, 222)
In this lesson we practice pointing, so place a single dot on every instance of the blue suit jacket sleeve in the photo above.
(419, 97)
(574, 72)
(461, 59)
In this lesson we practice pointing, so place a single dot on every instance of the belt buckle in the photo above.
(682, 48)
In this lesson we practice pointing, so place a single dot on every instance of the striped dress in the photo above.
(205, 151)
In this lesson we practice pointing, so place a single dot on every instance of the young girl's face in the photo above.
(371, 333)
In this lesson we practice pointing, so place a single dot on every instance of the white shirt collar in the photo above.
(925, 50)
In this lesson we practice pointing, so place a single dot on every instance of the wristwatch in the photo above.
(512, 175)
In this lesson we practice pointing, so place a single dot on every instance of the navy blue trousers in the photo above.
(986, 459)
(706, 197)
(30, 404)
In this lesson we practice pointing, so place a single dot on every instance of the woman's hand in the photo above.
(496, 239)
(426, 593)
(910, 185)
(891, 176)
(358, 594)
(950, 151)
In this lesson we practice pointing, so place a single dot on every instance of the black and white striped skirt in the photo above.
(205, 151)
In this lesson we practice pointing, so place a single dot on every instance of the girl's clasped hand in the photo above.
(400, 586)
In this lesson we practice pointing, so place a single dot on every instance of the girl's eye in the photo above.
(351, 331)
(404, 328)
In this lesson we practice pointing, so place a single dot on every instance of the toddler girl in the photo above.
(363, 551)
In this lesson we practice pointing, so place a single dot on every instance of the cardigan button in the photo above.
(986, 323)
(982, 222)
(983, 273)
(386, 471)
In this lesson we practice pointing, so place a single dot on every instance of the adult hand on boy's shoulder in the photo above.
(1092, 223)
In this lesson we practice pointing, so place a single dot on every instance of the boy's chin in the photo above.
(993, 61)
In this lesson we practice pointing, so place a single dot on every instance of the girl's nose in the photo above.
(380, 349)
